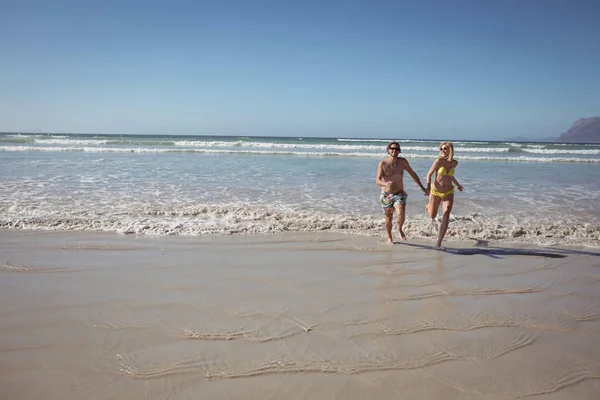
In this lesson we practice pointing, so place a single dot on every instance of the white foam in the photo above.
(146, 150)
(562, 151)
(436, 142)
(292, 146)
(368, 140)
(250, 219)
(72, 142)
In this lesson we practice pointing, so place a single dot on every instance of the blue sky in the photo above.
(420, 69)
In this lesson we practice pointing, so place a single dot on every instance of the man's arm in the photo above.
(379, 178)
(414, 176)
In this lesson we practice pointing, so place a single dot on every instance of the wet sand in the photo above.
(294, 316)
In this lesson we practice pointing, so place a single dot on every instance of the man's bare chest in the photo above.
(393, 170)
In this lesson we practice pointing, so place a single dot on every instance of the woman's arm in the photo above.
(431, 171)
(458, 185)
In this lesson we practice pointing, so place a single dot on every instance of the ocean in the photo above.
(539, 193)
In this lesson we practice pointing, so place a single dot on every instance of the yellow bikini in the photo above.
(441, 195)
(442, 172)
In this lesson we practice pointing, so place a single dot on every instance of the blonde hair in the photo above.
(450, 152)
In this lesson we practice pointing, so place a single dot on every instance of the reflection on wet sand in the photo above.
(293, 316)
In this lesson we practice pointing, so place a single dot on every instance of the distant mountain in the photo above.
(584, 130)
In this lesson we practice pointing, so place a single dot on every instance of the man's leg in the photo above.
(401, 211)
(389, 216)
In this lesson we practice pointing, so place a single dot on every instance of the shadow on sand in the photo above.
(482, 248)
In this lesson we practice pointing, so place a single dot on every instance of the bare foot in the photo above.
(390, 241)
(440, 248)
(427, 210)
(402, 235)
(434, 225)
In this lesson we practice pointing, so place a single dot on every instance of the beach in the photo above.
(300, 200)
(294, 315)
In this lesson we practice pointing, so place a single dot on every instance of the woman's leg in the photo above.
(447, 209)
(432, 207)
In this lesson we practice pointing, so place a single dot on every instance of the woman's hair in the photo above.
(450, 152)
(392, 143)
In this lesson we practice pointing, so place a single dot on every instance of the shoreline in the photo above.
(422, 238)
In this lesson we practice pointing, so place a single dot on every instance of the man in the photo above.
(390, 174)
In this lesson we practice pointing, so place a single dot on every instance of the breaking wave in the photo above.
(148, 150)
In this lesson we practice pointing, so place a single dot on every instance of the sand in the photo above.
(294, 316)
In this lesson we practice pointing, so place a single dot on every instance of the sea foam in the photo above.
(206, 219)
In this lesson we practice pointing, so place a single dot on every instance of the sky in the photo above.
(472, 69)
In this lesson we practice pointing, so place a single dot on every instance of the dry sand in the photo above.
(293, 316)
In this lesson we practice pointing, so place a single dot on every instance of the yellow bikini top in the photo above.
(442, 171)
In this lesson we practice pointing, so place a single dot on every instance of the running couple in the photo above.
(390, 174)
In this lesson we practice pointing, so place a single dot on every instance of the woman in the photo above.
(442, 190)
